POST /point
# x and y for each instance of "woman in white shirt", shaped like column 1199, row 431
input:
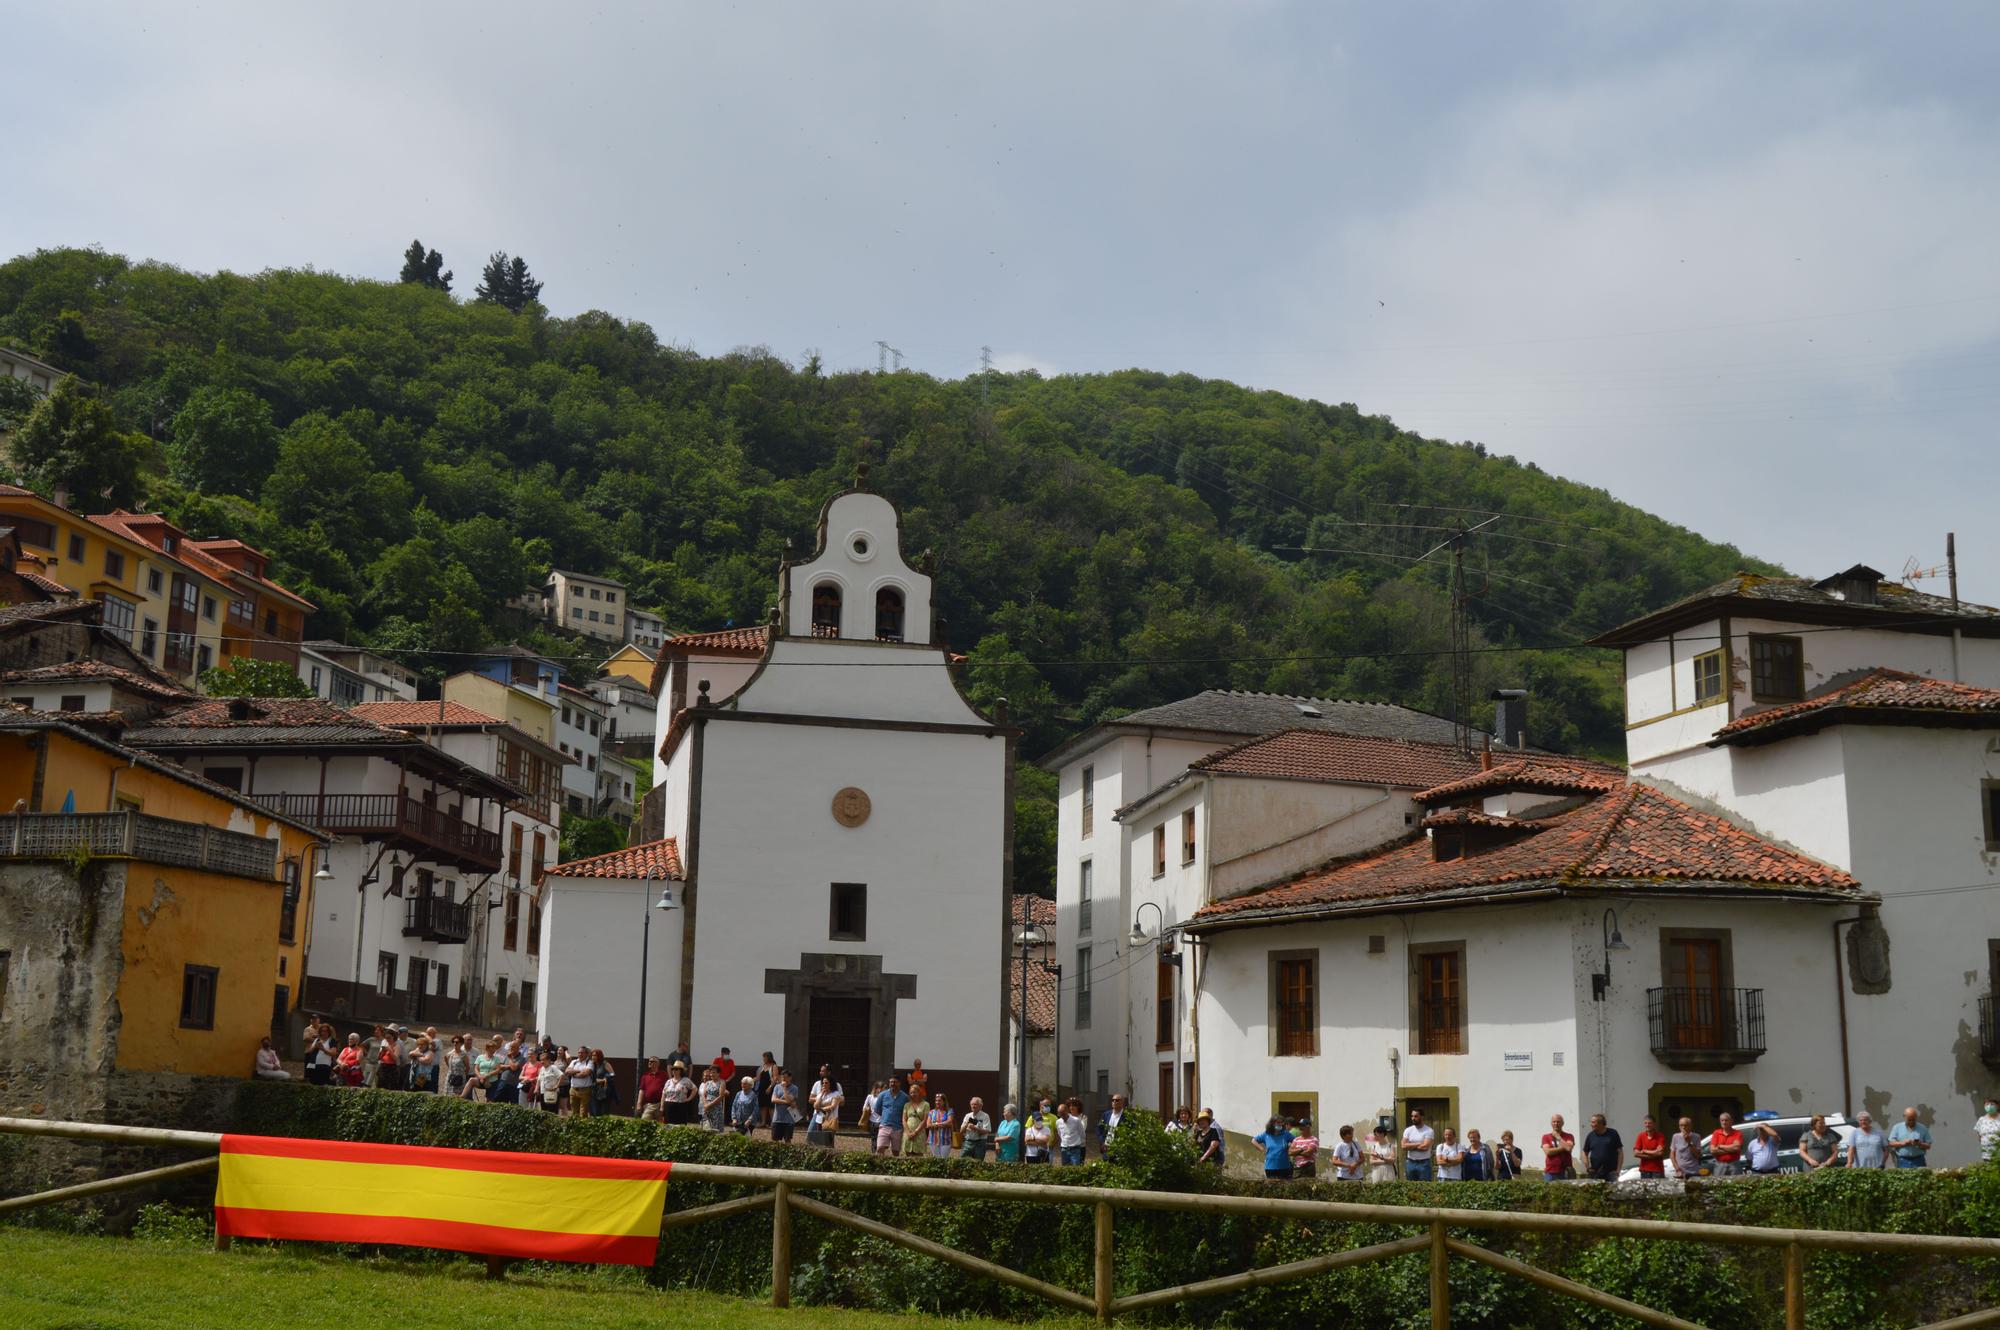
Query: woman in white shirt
column 1035, row 1139
column 677, row 1097
column 1381, row 1156
column 1447, row 1157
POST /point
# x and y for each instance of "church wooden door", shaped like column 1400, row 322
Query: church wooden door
column 837, row 1035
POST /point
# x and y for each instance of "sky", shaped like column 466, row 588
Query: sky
column 1734, row 263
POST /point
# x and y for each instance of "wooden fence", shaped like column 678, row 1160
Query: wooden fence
column 782, row 1192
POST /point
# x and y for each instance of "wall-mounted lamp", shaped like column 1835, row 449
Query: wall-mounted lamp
column 1140, row 937
column 1600, row 983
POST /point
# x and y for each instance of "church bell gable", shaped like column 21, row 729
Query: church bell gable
column 857, row 586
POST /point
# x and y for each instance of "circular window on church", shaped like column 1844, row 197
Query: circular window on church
column 861, row 546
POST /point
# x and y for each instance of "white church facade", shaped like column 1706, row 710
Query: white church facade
column 841, row 820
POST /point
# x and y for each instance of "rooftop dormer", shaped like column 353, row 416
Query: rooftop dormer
column 857, row 585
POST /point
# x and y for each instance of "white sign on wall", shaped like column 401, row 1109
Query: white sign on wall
column 1516, row 1061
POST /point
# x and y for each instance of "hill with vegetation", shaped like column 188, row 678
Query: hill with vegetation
column 412, row 461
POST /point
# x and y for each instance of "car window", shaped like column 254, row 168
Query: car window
column 1789, row 1134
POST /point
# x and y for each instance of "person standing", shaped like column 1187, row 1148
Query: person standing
column 1108, row 1120
column 767, row 1076
column 1650, row 1149
column 1008, row 1138
column 916, row 1116
column 352, row 1062
column 1506, row 1159
column 1208, row 1142
column 652, row 1085
column 548, row 1084
column 1305, row 1151
column 1910, row 1141
column 1603, row 1150
column 320, row 1054
column 1558, row 1151
column 976, row 1130
column 725, row 1070
column 784, row 1107
column 1867, row 1147
column 888, row 1118
column 826, row 1112
column 678, row 1096
column 1818, row 1146
column 1477, row 1165
column 743, row 1109
column 1381, row 1156
column 1035, row 1139
column 871, row 1117
column 1276, row 1142
column 1070, row 1131
column 937, row 1126
column 1725, row 1145
column 582, row 1074
column 1988, row 1128
column 1346, row 1157
column 1182, row 1125
column 458, row 1068
column 1449, row 1157
column 1684, row 1148
column 1418, row 1139
column 919, row 1083
column 1762, row 1147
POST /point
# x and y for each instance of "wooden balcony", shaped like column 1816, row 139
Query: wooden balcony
column 423, row 828
column 133, row 835
column 1706, row 1029
column 436, row 919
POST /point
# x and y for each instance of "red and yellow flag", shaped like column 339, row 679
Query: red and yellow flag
column 539, row 1207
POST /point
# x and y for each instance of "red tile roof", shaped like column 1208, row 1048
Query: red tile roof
column 48, row 584
column 1041, row 994
column 97, row 671
column 655, row 860
column 1041, row 911
column 1323, row 755
column 723, row 641
column 1472, row 817
column 1636, row 838
column 1881, row 695
column 417, row 715
column 1542, row 773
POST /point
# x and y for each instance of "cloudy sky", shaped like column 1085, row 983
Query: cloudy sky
column 1734, row 263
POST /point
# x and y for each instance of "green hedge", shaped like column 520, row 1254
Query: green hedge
column 1723, row 1288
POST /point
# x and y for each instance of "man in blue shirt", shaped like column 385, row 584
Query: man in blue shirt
column 1910, row 1141
column 889, row 1107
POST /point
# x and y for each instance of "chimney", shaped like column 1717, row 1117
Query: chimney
column 1510, row 717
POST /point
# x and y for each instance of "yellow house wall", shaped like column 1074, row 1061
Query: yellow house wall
column 138, row 556
column 175, row 917
column 627, row 661
column 502, row 701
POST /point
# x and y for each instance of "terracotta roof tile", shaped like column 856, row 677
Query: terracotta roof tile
column 1473, row 817
column 656, row 860
column 417, row 715
column 269, row 720
column 97, row 671
column 1638, row 836
column 1041, row 911
column 1880, row 694
column 1041, row 994
column 48, row 584
column 1552, row 775
column 1324, row 755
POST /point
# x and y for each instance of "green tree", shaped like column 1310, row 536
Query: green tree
column 241, row 676
column 17, row 401
column 222, row 441
column 72, row 441
column 422, row 268
column 507, row 283
column 585, row 836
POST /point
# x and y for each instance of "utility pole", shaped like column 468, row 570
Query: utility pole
column 1461, row 646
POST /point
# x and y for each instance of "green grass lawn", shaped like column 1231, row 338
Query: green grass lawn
column 53, row 1281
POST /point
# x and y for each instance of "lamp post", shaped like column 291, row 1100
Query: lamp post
column 665, row 902
column 1025, row 937
column 1600, row 983
column 1055, row 1031
column 1173, row 958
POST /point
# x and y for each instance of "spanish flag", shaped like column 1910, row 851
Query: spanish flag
column 533, row 1206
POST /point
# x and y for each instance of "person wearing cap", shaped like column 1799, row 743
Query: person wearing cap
column 1208, row 1141
column 1304, row 1150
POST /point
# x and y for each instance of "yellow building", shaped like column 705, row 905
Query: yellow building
column 632, row 663
column 522, row 709
column 182, row 604
column 150, row 920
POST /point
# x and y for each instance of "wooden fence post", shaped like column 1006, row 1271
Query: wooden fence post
column 781, row 1245
column 1795, row 1287
column 1102, row 1288
column 1440, row 1286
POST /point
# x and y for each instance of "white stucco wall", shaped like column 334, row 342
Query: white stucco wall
column 1527, row 990
column 1269, row 830
column 860, row 555
column 598, row 934
column 867, row 680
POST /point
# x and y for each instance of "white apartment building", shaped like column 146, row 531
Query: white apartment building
column 593, row 606
column 348, row 675
column 644, row 629
column 581, row 723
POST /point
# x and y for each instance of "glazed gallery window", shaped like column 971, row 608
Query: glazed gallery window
column 1708, row 675
column 1777, row 668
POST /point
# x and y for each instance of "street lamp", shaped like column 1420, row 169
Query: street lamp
column 1025, row 938
column 1140, row 937
column 1171, row 956
column 664, row 903
column 1600, row 983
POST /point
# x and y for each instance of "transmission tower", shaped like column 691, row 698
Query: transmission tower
column 1461, row 646
column 882, row 356
column 985, row 371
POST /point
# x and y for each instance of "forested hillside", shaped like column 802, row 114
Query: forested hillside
column 1104, row 542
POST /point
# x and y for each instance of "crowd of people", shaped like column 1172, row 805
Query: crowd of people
column 904, row 1116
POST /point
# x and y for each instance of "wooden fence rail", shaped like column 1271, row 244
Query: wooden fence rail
column 779, row 1190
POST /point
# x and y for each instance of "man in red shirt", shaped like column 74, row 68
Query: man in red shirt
column 1727, row 1147
column 1650, row 1148
column 725, row 1067
column 1558, row 1147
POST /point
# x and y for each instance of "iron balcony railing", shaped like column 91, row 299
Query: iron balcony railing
column 1989, row 1032
column 1715, row 1027
column 135, row 835
column 393, row 815
column 436, row 919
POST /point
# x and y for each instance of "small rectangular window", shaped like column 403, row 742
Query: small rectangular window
column 1089, row 799
column 154, row 581
column 534, row 929
column 1082, row 993
column 208, row 608
column 203, row 658
column 76, row 549
column 1708, row 672
column 528, row 995
column 595, row 594
column 385, row 972
column 71, row 702
column 512, row 931
column 114, row 564
column 1777, row 668
column 611, row 598
column 500, row 991
column 1294, row 1005
column 1159, row 849
column 444, row 979
column 1084, row 873
column 1989, row 798
column 1440, row 983
column 1164, row 975
column 149, row 638
column 1187, row 836
column 198, row 997
column 848, row 919
column 575, row 613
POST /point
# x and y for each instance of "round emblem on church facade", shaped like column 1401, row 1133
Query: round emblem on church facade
column 851, row 807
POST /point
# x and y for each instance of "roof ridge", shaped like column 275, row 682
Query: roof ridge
column 1602, row 838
